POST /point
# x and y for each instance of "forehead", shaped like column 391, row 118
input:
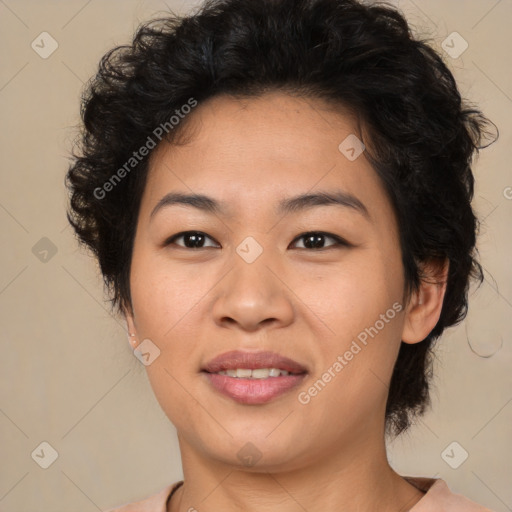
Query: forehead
column 260, row 150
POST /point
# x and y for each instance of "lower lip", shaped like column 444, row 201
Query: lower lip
column 254, row 391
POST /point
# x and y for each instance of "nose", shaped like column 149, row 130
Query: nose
column 252, row 296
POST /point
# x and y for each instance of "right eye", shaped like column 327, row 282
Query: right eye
column 191, row 240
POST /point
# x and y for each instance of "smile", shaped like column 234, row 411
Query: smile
column 253, row 378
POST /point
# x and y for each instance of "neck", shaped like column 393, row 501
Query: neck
column 357, row 477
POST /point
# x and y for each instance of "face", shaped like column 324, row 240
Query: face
column 316, row 282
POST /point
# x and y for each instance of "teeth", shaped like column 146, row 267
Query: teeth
column 259, row 373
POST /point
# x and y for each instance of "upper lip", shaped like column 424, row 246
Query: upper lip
column 252, row 360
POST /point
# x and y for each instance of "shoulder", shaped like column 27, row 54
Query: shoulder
column 439, row 498
column 154, row 503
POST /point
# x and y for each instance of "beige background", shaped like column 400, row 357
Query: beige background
column 68, row 376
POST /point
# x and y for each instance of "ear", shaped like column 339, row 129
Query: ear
column 424, row 306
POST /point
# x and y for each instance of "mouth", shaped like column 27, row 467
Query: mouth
column 253, row 378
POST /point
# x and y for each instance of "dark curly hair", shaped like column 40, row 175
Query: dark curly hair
column 419, row 134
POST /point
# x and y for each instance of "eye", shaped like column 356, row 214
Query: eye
column 314, row 240
column 192, row 239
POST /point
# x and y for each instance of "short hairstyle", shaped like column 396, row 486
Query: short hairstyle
column 419, row 134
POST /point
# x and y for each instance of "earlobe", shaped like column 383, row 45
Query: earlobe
column 425, row 304
column 132, row 331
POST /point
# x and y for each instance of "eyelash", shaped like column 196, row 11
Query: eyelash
column 339, row 241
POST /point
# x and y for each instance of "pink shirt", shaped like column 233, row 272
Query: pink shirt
column 437, row 498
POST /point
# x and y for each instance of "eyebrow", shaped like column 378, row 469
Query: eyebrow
column 285, row 206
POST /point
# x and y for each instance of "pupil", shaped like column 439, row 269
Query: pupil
column 196, row 238
column 317, row 241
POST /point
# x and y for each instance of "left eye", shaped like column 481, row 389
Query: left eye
column 315, row 238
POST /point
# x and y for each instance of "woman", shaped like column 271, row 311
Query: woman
column 278, row 194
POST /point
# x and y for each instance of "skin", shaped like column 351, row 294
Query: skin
column 306, row 304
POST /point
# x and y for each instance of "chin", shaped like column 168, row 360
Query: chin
column 256, row 450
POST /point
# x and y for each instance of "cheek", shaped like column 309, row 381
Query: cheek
column 164, row 295
column 165, row 302
column 361, row 305
column 351, row 297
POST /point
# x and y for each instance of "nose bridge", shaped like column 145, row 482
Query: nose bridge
column 251, row 291
column 250, row 274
